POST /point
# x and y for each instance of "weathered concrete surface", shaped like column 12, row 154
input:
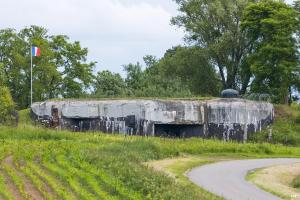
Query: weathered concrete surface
column 221, row 118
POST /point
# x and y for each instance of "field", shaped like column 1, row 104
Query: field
column 39, row 163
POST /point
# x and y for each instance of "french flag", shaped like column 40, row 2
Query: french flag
column 36, row 51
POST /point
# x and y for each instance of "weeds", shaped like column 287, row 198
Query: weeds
column 286, row 129
column 296, row 182
column 98, row 166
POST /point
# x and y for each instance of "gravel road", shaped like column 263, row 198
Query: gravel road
column 227, row 179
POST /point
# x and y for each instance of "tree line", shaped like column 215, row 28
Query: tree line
column 247, row 45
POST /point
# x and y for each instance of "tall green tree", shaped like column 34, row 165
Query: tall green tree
column 2, row 75
column 61, row 71
column 158, row 83
column 191, row 65
column 6, row 104
column 272, row 25
column 152, row 81
column 14, row 64
column 215, row 26
column 71, row 60
column 134, row 76
column 108, row 84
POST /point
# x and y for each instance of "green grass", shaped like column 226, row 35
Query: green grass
column 286, row 129
column 4, row 191
column 99, row 166
column 296, row 182
column 17, row 180
column 178, row 167
column 38, row 183
column 60, row 191
column 24, row 117
column 252, row 175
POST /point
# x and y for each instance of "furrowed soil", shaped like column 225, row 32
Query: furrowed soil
column 38, row 163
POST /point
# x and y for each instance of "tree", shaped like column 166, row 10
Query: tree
column 2, row 75
column 271, row 25
column 76, row 74
column 296, row 5
column 134, row 76
column 215, row 26
column 152, row 81
column 6, row 104
column 61, row 71
column 157, row 83
column 108, row 84
column 191, row 66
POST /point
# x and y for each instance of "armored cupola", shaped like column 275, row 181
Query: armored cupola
column 230, row 93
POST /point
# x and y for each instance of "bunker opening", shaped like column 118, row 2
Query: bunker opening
column 82, row 124
column 178, row 130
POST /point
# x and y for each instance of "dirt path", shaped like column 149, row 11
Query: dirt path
column 278, row 179
column 48, row 189
column 29, row 188
column 11, row 186
column 60, row 183
column 227, row 179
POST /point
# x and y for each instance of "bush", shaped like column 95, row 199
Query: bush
column 297, row 119
column 286, row 129
column 6, row 104
column 296, row 182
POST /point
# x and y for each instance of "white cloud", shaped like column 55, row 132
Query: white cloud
column 289, row 1
column 115, row 31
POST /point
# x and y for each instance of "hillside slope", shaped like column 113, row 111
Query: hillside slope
column 37, row 162
column 286, row 129
column 65, row 165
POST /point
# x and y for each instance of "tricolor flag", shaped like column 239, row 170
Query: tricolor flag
column 36, row 51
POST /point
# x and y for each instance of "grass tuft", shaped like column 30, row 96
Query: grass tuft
column 296, row 182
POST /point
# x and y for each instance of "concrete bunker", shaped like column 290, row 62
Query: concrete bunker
column 227, row 119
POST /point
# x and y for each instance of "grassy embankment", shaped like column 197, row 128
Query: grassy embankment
column 286, row 129
column 277, row 180
column 66, row 165
column 96, row 166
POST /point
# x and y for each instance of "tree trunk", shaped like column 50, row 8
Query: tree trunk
column 245, row 84
column 290, row 96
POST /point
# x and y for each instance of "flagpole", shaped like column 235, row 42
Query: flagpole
column 30, row 75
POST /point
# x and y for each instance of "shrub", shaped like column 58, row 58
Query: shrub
column 286, row 129
column 297, row 119
column 296, row 182
column 6, row 104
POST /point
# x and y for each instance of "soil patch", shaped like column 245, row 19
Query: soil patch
column 29, row 188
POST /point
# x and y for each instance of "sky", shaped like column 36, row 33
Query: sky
column 116, row 32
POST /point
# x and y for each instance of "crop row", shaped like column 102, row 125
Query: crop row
column 61, row 179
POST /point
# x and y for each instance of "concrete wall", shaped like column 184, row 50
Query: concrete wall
column 220, row 118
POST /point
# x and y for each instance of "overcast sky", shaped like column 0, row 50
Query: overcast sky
column 116, row 32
